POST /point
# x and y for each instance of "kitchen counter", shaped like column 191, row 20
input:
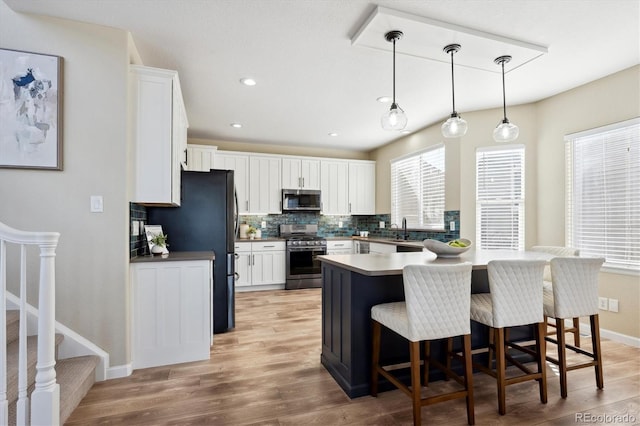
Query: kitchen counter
column 175, row 256
column 391, row 241
column 249, row 240
column 353, row 283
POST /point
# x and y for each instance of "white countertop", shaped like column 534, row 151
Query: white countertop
column 392, row 263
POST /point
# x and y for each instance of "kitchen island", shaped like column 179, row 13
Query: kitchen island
column 352, row 284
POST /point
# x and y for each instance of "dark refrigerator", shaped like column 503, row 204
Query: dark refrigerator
column 206, row 220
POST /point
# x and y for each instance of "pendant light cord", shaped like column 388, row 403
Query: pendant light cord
column 504, row 98
column 394, row 71
column 453, row 90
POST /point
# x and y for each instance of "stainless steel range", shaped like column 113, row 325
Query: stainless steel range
column 303, row 248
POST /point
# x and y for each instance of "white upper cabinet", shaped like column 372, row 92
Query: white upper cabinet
column 362, row 187
column 239, row 163
column 160, row 135
column 300, row 173
column 335, row 188
column 200, row 158
column 264, row 187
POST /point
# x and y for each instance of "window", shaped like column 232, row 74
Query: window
column 603, row 193
column 500, row 197
column 417, row 189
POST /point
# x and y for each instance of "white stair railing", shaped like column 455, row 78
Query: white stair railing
column 45, row 399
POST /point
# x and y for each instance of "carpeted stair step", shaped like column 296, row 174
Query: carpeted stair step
column 12, row 370
column 75, row 376
column 13, row 326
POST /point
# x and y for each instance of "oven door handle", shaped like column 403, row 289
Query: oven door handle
column 313, row 250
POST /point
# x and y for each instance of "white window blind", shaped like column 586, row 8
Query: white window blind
column 417, row 189
column 603, row 193
column 500, row 197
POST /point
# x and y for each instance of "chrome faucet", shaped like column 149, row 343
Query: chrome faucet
column 405, row 234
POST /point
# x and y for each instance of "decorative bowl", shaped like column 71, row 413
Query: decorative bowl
column 444, row 249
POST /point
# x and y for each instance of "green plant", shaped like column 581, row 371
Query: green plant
column 252, row 230
column 160, row 240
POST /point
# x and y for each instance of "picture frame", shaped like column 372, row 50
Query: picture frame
column 30, row 110
column 151, row 231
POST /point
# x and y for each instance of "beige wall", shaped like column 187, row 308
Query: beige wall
column 92, row 257
column 542, row 129
column 281, row 149
column 605, row 101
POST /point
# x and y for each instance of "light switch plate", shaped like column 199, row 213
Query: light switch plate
column 382, row 224
column 613, row 305
column 339, row 224
column 603, row 303
column 97, row 204
column 263, row 224
column 135, row 228
column 452, row 226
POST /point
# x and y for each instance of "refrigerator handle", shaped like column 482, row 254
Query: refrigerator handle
column 236, row 276
column 235, row 213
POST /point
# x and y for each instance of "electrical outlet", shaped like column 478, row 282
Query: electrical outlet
column 382, row 224
column 603, row 303
column 135, row 228
column 340, row 224
column 263, row 224
column 452, row 226
column 613, row 305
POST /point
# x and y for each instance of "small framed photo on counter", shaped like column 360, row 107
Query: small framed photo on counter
column 156, row 239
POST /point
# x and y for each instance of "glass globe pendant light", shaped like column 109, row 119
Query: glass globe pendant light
column 455, row 126
column 395, row 118
column 505, row 131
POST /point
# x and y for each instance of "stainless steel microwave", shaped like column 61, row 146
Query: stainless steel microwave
column 307, row 200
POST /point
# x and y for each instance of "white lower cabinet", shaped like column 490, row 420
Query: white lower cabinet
column 381, row 248
column 260, row 263
column 171, row 311
column 340, row 247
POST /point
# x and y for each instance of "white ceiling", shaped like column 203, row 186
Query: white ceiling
column 312, row 80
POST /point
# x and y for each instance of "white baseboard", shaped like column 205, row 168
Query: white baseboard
column 260, row 288
column 611, row 335
column 119, row 371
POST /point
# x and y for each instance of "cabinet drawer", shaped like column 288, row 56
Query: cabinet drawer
column 339, row 245
column 242, row 247
column 268, row 246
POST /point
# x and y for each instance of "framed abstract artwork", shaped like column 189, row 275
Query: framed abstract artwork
column 30, row 110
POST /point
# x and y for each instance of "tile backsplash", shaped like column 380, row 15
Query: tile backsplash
column 328, row 226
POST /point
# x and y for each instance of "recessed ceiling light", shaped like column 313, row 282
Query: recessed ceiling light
column 248, row 81
column 236, row 125
column 332, row 134
column 384, row 99
column 406, row 131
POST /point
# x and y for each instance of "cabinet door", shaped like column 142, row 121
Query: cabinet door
column 381, row 248
column 291, row 173
column 310, row 174
column 200, row 158
column 171, row 312
column 155, row 162
column 268, row 267
column 243, row 269
column 240, row 165
column 362, row 197
column 264, row 188
column 335, row 195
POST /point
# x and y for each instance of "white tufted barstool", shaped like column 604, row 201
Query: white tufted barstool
column 514, row 298
column 574, row 294
column 436, row 306
column 560, row 252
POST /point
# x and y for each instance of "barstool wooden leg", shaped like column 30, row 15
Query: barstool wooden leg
column 427, row 357
column 594, row 320
column 468, row 377
column 542, row 359
column 375, row 358
column 562, row 356
column 449, row 355
column 576, row 333
column 414, row 351
column 501, row 370
column 491, row 346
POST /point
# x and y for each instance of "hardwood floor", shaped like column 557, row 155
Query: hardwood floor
column 267, row 372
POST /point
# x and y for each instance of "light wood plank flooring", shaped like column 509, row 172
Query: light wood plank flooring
column 267, row 372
